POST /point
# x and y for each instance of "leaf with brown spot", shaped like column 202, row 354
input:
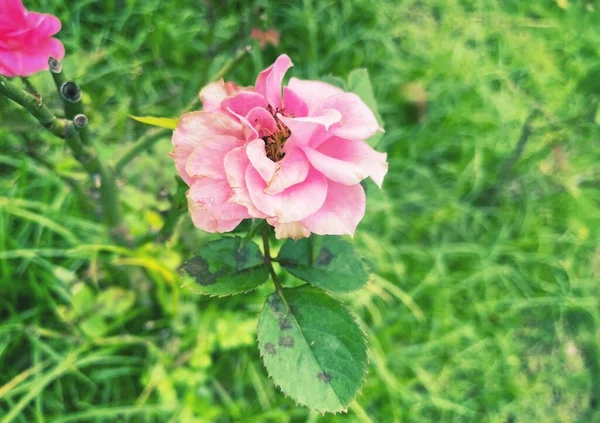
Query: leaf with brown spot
column 335, row 266
column 226, row 267
column 321, row 360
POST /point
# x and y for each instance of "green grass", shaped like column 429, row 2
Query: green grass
column 484, row 304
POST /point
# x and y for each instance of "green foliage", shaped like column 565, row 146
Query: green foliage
column 477, row 311
column 327, row 262
column 226, row 266
column 312, row 348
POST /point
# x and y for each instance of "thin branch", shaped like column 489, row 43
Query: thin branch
column 71, row 95
column 62, row 128
column 177, row 209
column 84, row 154
column 143, row 144
column 489, row 195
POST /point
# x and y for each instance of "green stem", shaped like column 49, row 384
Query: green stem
column 178, row 208
column 84, row 154
column 62, row 128
column 71, row 95
column 142, row 145
column 269, row 262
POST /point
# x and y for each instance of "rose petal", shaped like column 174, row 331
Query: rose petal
column 313, row 93
column 348, row 161
column 213, row 94
column 26, row 62
column 193, row 129
column 358, row 121
column 207, row 158
column 43, row 25
column 294, row 105
column 210, row 201
column 257, row 155
column 294, row 230
column 305, row 129
column 295, row 203
column 269, row 81
column 292, row 169
column 243, row 102
column 262, row 121
column 341, row 213
column 236, row 162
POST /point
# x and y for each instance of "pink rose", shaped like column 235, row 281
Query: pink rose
column 26, row 40
column 295, row 159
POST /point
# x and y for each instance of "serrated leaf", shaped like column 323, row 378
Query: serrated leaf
column 312, row 348
column 331, row 263
column 359, row 83
column 226, row 267
column 167, row 123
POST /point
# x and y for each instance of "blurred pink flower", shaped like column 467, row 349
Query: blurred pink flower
column 26, row 40
column 295, row 159
column 270, row 36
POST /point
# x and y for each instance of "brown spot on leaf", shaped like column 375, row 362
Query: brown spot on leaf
column 325, row 257
column 198, row 269
column 324, row 377
column 270, row 348
column 275, row 304
column 286, row 342
column 284, row 323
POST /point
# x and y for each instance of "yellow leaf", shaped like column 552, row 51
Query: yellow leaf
column 563, row 4
column 167, row 123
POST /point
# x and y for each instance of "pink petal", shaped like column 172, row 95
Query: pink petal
column 193, row 129
column 243, row 102
column 294, row 230
column 269, row 81
column 294, row 105
column 207, row 158
column 348, row 161
column 304, row 129
column 257, row 155
column 262, row 121
column 180, row 156
column 42, row 25
column 207, row 201
column 292, row 169
column 341, row 213
column 249, row 132
column 313, row 93
column 295, row 203
column 214, row 93
column 12, row 14
column 236, row 162
column 27, row 62
column 358, row 121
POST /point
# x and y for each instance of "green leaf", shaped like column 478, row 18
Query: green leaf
column 114, row 302
column 226, row 267
column 312, row 348
column 327, row 262
column 167, row 123
column 359, row 83
column 334, row 80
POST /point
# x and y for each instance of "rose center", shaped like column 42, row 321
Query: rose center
column 274, row 143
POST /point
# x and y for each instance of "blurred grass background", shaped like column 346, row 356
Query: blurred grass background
column 484, row 304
